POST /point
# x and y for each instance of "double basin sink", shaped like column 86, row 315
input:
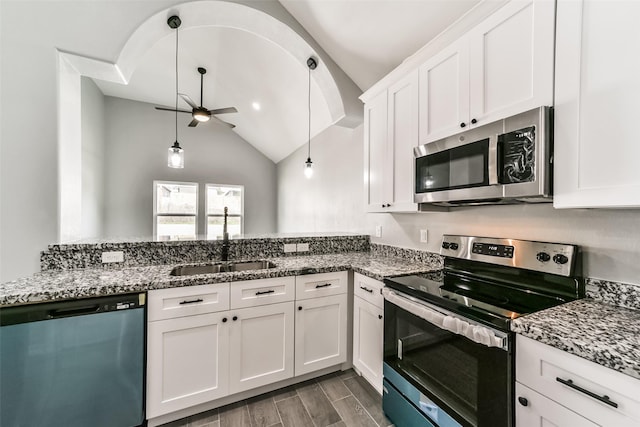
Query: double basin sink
column 190, row 270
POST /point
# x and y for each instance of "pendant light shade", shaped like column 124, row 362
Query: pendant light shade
column 176, row 156
column 308, row 165
column 176, row 153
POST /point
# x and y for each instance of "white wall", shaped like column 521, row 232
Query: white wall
column 137, row 139
column 92, row 159
column 334, row 201
column 30, row 32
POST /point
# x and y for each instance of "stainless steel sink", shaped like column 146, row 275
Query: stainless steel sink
column 190, row 270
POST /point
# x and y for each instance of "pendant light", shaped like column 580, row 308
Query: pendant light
column 176, row 153
column 308, row 165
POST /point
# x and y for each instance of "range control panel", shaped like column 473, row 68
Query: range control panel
column 554, row 258
column 504, row 251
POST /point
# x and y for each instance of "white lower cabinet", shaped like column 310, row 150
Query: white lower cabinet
column 261, row 346
column 367, row 341
column 368, row 328
column 187, row 362
column 535, row 410
column 212, row 341
column 321, row 333
column 562, row 389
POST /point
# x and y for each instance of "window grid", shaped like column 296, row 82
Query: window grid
column 218, row 196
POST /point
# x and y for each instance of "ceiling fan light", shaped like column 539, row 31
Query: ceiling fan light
column 176, row 156
column 201, row 115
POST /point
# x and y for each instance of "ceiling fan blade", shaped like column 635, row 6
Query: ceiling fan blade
column 224, row 110
column 173, row 110
column 193, row 123
column 217, row 120
column 188, row 100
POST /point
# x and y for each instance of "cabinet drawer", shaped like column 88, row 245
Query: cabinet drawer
column 187, row 301
column 321, row 285
column 535, row 410
column 368, row 289
column 252, row 293
column 544, row 369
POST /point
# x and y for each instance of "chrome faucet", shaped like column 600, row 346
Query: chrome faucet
column 224, row 255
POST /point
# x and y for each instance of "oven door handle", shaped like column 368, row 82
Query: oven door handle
column 447, row 321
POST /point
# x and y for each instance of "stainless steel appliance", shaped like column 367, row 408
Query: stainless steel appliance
column 448, row 349
column 508, row 161
column 73, row 363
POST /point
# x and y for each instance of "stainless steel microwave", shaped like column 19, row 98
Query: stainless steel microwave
column 503, row 162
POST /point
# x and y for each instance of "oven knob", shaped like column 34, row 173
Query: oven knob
column 543, row 256
column 560, row 259
column 453, row 246
column 445, row 245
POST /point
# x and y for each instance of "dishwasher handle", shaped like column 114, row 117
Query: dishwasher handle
column 75, row 311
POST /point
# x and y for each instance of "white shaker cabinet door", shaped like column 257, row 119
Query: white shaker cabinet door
column 187, row 360
column 368, row 327
column 321, row 333
column 260, row 345
column 535, row 410
column 597, row 100
column 444, row 93
column 377, row 154
column 403, row 137
column 511, row 61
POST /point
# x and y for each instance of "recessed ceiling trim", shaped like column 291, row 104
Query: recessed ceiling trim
column 210, row 13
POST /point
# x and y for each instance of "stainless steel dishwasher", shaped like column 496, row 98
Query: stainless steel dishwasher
column 73, row 363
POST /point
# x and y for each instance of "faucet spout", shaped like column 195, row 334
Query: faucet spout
column 224, row 255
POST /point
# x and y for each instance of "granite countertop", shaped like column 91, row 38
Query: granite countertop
column 69, row 284
column 594, row 330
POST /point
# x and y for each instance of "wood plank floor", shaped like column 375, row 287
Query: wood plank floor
column 342, row 399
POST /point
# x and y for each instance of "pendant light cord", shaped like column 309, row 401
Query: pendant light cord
column 309, row 104
column 176, row 84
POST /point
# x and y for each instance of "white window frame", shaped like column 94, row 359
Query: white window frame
column 206, row 206
column 155, row 204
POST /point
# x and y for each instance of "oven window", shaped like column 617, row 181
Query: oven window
column 459, row 167
column 471, row 382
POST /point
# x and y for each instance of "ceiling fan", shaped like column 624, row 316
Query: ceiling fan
column 199, row 113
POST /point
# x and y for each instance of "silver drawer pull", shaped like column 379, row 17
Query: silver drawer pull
column 270, row 291
column 364, row 288
column 603, row 399
column 193, row 301
column 323, row 286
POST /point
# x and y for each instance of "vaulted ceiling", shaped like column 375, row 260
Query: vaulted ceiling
column 366, row 38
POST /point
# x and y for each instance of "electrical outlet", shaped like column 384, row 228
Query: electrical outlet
column 424, row 236
column 378, row 231
column 115, row 256
column 303, row 247
column 289, row 247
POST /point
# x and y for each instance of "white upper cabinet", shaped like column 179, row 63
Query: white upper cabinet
column 502, row 67
column 596, row 105
column 376, row 154
column 403, row 136
column 444, row 92
column 391, row 132
column 511, row 61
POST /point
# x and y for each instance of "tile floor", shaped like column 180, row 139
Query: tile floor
column 342, row 399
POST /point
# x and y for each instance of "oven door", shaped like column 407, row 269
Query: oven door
column 471, row 381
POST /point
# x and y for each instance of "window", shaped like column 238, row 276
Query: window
column 175, row 210
column 219, row 196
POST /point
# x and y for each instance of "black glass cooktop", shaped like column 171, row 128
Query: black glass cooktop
column 486, row 293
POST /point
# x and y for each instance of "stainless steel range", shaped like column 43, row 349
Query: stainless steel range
column 448, row 349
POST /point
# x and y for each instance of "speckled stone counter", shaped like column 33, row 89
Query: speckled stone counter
column 90, row 282
column 594, row 330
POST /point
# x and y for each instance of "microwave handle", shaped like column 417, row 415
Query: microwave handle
column 494, row 160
